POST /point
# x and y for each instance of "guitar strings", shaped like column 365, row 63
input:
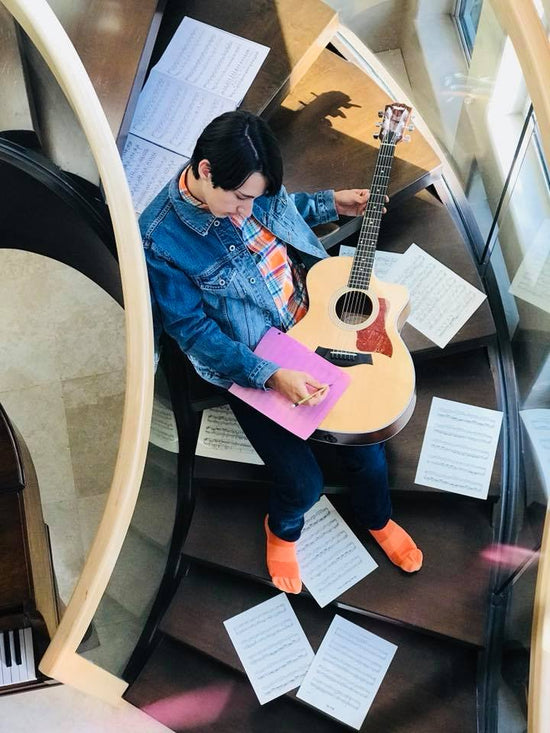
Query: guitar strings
column 354, row 302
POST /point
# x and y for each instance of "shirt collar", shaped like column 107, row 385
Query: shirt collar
column 189, row 209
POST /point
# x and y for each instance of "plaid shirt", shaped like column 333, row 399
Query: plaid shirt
column 285, row 279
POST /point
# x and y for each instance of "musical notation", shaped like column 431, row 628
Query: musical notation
column 441, row 301
column 203, row 72
column 221, row 437
column 459, row 448
column 272, row 647
column 331, row 557
column 347, row 671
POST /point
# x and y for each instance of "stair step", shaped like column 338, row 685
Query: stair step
column 427, row 222
column 296, row 33
column 186, row 691
column 424, row 701
column 326, row 126
column 461, row 377
column 448, row 596
column 464, row 377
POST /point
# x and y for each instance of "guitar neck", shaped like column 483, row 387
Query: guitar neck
column 363, row 260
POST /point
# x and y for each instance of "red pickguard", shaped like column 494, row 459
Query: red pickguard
column 374, row 337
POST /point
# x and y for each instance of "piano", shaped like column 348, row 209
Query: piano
column 28, row 604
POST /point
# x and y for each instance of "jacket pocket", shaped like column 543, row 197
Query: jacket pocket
column 220, row 279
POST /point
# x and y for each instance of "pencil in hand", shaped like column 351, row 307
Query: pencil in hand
column 309, row 396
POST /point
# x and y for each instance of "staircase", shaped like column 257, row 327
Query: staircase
column 439, row 617
column 323, row 109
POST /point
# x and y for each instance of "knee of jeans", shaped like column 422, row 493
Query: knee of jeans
column 357, row 458
column 302, row 487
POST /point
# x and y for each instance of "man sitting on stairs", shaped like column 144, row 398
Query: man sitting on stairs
column 227, row 249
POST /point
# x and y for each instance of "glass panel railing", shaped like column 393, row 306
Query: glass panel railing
column 125, row 606
column 474, row 81
column 522, row 251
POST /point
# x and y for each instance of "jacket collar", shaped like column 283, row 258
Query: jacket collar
column 200, row 220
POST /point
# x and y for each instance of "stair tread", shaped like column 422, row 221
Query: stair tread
column 206, row 598
column 439, row 696
column 464, row 377
column 448, row 596
column 294, row 32
column 426, row 221
column 461, row 377
column 185, row 691
column 326, row 126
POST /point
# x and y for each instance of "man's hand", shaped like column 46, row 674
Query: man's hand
column 297, row 385
column 352, row 202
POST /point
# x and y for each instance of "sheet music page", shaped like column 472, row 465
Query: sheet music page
column 272, row 647
column 164, row 433
column 383, row 261
column 148, row 168
column 532, row 279
column 212, row 59
column 537, row 425
column 347, row 672
column 172, row 113
column 441, row 301
column 221, row 436
column 459, row 448
column 331, row 557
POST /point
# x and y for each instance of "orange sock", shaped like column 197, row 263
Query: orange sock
column 398, row 546
column 281, row 563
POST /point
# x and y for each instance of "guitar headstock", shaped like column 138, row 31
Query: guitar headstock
column 396, row 118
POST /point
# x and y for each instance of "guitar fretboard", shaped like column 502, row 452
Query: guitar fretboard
column 363, row 260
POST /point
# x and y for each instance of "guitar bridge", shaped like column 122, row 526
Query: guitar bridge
column 343, row 358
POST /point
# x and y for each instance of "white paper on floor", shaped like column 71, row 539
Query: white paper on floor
column 459, row 447
column 347, row 671
column 272, row 647
column 331, row 557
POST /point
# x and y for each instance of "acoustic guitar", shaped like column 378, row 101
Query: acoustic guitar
column 354, row 320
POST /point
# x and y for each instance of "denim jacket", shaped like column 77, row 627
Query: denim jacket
column 206, row 290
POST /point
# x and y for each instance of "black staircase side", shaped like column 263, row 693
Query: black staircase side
column 52, row 213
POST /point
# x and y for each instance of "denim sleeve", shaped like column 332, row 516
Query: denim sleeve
column 315, row 208
column 179, row 304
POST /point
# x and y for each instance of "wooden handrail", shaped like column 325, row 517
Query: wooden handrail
column 61, row 660
column 523, row 26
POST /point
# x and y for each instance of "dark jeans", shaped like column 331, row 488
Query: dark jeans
column 298, row 479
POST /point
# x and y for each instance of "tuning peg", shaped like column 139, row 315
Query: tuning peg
column 410, row 128
column 378, row 124
column 406, row 138
column 380, row 113
column 376, row 137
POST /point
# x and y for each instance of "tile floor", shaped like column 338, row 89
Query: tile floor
column 62, row 383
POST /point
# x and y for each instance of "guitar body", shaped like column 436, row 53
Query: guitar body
column 359, row 330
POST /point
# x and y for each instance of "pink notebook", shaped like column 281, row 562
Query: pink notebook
column 290, row 354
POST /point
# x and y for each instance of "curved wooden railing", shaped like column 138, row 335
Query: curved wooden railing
column 61, row 660
column 521, row 23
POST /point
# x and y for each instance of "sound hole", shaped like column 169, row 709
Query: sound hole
column 353, row 307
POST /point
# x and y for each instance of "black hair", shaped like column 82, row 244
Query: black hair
column 237, row 144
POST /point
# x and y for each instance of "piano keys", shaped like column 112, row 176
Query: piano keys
column 28, row 604
column 16, row 657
